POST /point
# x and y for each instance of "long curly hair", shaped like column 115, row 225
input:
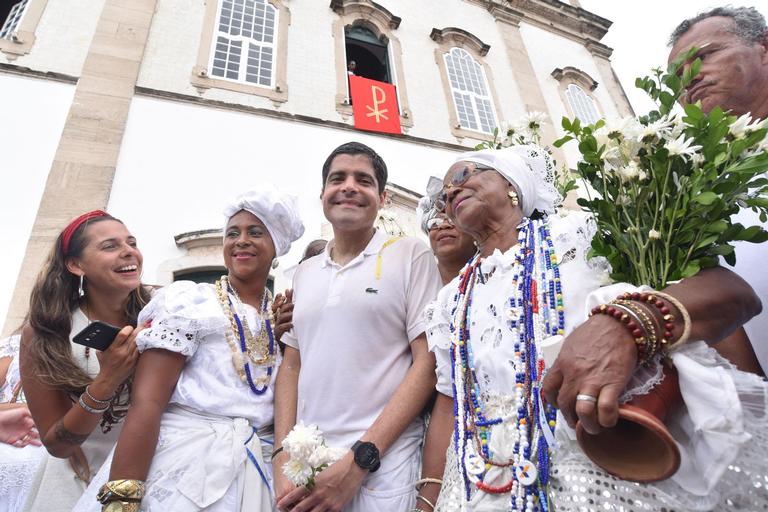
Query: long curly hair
column 53, row 300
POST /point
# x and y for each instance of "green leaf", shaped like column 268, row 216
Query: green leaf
column 705, row 198
column 691, row 269
column 559, row 142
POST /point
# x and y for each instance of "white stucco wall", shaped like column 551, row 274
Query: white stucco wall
column 32, row 115
column 63, row 37
column 174, row 42
column 540, row 44
column 180, row 163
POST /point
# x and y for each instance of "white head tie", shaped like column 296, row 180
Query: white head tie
column 425, row 210
column 529, row 168
column 278, row 211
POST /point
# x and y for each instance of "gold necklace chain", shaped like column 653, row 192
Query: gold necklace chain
column 257, row 349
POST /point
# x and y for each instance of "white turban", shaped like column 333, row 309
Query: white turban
column 278, row 211
column 529, row 168
column 425, row 210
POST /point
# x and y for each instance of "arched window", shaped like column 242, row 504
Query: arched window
column 582, row 104
column 245, row 42
column 471, row 95
column 18, row 22
column 11, row 14
column 370, row 54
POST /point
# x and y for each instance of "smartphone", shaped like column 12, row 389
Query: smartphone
column 98, row 335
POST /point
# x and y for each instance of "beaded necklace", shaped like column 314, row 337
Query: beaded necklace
column 535, row 312
column 248, row 351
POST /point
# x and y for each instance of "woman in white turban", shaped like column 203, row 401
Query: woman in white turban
column 200, row 437
column 493, row 330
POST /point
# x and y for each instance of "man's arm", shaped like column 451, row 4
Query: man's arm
column 339, row 483
column 286, row 397
column 599, row 357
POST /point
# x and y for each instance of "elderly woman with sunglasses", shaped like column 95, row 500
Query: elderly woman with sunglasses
column 495, row 330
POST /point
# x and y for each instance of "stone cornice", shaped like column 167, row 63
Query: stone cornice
column 576, row 75
column 568, row 20
column 366, row 8
column 599, row 49
column 461, row 36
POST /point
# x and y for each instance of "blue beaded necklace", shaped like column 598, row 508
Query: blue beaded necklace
column 536, row 312
column 244, row 350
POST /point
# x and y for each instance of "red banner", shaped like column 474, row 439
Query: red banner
column 374, row 105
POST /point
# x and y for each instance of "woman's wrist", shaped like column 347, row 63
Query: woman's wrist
column 102, row 388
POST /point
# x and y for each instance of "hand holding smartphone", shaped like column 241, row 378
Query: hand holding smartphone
column 97, row 335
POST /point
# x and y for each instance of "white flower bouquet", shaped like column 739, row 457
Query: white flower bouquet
column 309, row 454
column 664, row 187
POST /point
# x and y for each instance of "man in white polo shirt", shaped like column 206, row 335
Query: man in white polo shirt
column 356, row 363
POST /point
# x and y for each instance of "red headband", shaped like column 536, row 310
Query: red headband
column 66, row 235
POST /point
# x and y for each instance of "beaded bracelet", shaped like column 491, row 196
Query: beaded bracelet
column 652, row 345
column 683, row 313
column 667, row 319
column 88, row 408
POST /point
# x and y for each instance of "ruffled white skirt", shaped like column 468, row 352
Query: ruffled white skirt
column 202, row 462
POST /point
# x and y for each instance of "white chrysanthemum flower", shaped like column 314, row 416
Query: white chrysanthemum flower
column 297, row 471
column 325, row 456
column 656, row 130
column 623, row 200
column 682, row 147
column 302, row 440
column 654, row 235
column 534, row 120
column 697, row 159
column 741, row 126
column 629, row 172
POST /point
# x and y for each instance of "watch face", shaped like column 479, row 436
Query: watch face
column 366, row 455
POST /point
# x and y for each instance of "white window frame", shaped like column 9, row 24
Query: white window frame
column 472, row 94
column 17, row 13
column 245, row 47
column 582, row 103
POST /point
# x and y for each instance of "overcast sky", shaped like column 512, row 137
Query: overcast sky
column 640, row 32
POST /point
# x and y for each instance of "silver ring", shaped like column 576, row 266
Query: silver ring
column 586, row 398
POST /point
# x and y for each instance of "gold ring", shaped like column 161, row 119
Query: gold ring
column 586, row 398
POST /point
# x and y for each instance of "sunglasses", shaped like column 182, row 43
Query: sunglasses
column 458, row 179
column 437, row 222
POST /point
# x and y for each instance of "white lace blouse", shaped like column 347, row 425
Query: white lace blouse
column 187, row 318
column 492, row 341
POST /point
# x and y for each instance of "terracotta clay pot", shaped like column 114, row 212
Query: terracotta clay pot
column 639, row 448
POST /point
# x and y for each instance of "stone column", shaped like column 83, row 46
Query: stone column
column 84, row 165
column 601, row 54
column 508, row 21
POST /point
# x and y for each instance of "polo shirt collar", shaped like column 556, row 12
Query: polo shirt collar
column 378, row 239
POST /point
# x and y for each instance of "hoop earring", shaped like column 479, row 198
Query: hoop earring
column 513, row 196
column 275, row 263
column 80, row 289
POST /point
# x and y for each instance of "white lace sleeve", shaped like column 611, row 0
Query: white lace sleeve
column 181, row 315
column 437, row 317
column 9, row 346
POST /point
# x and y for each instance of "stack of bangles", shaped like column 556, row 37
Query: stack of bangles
column 420, row 484
column 101, row 405
column 649, row 319
column 121, row 495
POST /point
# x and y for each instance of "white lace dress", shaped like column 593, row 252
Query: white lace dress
column 721, row 431
column 56, row 485
column 17, row 465
column 215, row 438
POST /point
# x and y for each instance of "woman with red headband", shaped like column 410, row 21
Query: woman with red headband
column 77, row 395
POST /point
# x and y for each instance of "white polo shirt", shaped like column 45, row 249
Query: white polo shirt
column 750, row 259
column 353, row 330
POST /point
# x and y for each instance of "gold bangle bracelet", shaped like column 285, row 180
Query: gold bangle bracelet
column 425, row 500
column 683, row 313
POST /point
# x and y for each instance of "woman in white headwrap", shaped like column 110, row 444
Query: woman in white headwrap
column 200, row 436
column 530, row 284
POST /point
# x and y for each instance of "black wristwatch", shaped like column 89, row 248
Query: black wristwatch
column 366, row 455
